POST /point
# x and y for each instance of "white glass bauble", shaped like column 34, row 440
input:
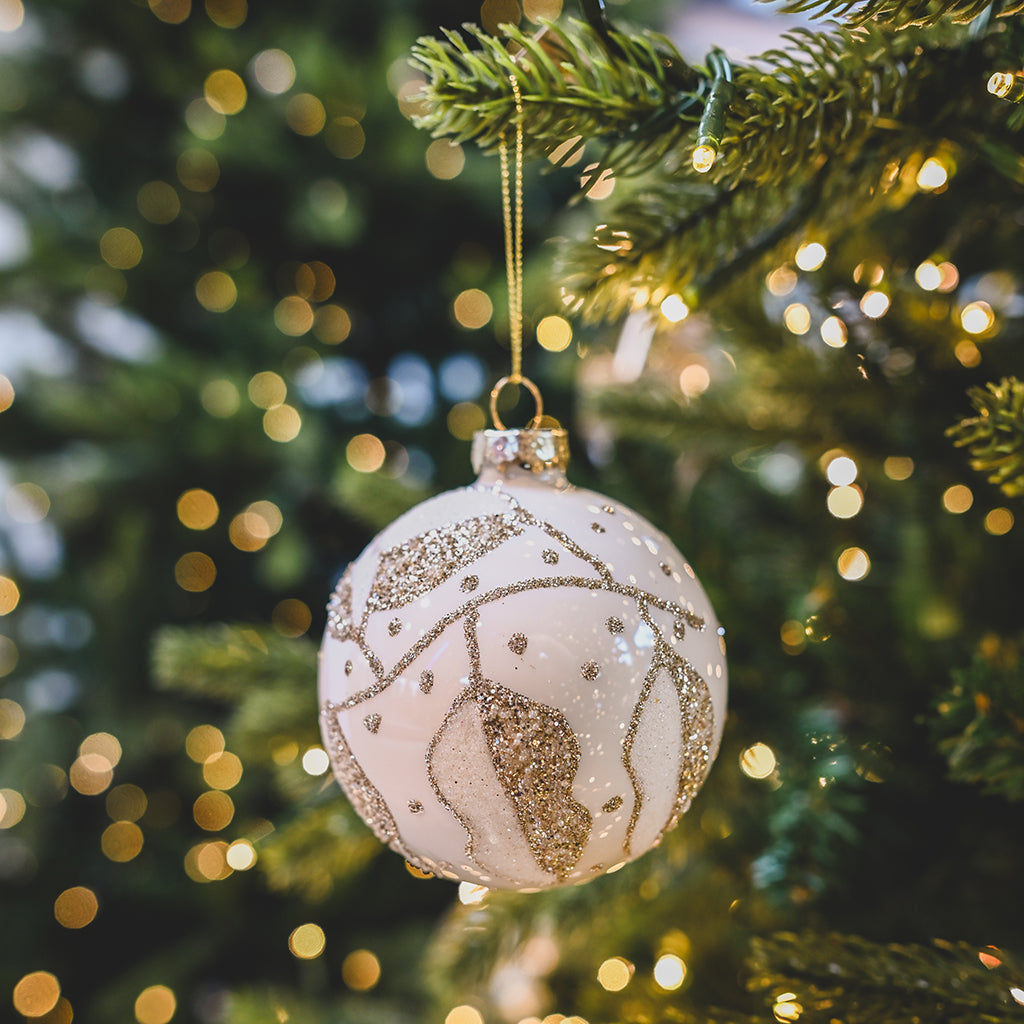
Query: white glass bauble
column 522, row 683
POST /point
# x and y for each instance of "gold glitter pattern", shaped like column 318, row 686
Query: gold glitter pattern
column 470, row 583
column 348, row 667
column 534, row 751
column 407, row 571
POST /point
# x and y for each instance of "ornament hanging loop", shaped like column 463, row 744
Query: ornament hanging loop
column 530, row 386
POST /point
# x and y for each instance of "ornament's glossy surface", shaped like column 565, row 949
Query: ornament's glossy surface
column 522, row 683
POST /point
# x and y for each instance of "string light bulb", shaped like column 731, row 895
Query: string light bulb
column 1007, row 86
column 712, row 122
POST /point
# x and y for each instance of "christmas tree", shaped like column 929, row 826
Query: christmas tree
column 251, row 313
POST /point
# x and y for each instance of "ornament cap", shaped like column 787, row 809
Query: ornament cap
column 540, row 454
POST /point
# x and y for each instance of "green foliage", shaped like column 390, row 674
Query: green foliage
column 978, row 724
column 899, row 13
column 995, row 437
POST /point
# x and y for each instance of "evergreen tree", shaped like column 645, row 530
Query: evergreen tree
column 246, row 322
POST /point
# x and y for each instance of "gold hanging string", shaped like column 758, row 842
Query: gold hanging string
column 512, row 212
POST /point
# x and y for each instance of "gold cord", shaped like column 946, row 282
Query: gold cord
column 514, row 237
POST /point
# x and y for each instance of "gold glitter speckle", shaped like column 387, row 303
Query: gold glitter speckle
column 348, row 667
column 517, row 643
column 609, row 509
column 613, row 805
column 665, row 568
column 597, row 527
column 372, row 723
column 426, row 681
column 590, row 671
column 415, row 806
column 395, row 627
column 615, row 625
column 550, row 556
column 469, row 584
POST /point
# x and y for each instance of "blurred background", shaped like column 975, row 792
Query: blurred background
column 248, row 315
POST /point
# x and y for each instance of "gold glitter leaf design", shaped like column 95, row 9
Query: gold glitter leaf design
column 422, row 563
column 536, row 755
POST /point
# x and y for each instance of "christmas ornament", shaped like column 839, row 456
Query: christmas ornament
column 522, row 684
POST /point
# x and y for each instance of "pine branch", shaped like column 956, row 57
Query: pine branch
column 859, row 981
column 979, row 723
column 643, row 100
column 995, row 437
column 897, row 13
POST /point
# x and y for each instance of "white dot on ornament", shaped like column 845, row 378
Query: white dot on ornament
column 1018, row 995
column 471, row 893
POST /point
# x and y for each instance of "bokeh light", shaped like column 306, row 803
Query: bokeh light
column 977, row 318
column 365, row 453
column 853, row 564
column 898, row 467
column 554, row 333
column 845, row 502
column 332, row 324
column 6, row 393
column 274, row 71
column 307, row 941
column 781, row 281
column 957, row 499
column 76, row 907
column 241, row 855
column 472, row 308
column 933, row 175
column 198, row 170
column 195, row 572
column 213, row 810
column 171, row 12
column 158, row 202
column 126, row 802
column 999, row 522
column 197, row 509
column 202, row 742
column 345, row 137
column 810, row 256
column 875, row 304
column 694, row 380
column 225, row 91
column 27, row 503
column 291, row 617
column 758, row 760
column 293, row 316
column 464, row 1014
column 155, row 1005
column 614, row 974
column 216, row 291
column 841, row 470
column 9, row 595
column 227, row 13
column 465, row 419
column 305, row 114
column 120, row 248
column 36, row 994
column 445, row 159
column 674, row 309
column 220, row 398
column 282, row 423
column 121, row 841
column 360, row 970
column 928, row 276
column 833, row 332
column 222, row 770
column 797, row 318
column 315, row 761
column 12, row 718
column 669, row 972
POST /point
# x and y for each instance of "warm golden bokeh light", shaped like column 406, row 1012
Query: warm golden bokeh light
column 213, row 810
column 472, row 308
column 928, row 276
column 9, row 595
column 241, row 855
column 967, row 353
column 216, row 291
column 197, row 509
column 36, row 994
column 792, row 636
column 90, row 774
column 758, row 761
column 198, row 170
column 874, row 304
column 195, row 572
column 786, row 1009
column 445, row 159
column 222, row 771
column 999, row 522
column 345, row 137
column 225, row 91
column 845, row 502
column 535, row 10
column 307, row 941
column 694, row 380
column 282, row 423
column 305, row 114
column 12, row 718
column 614, row 974
column 810, row 256
column 898, row 467
column 8, row 656
column 360, row 970
column 781, row 281
column 977, row 318
column 220, row 398
column 227, row 13
column 12, row 808
column 158, row 202
column 932, row 175
column 332, row 324
column 365, row 453
column 853, row 564
column 171, row 12
column 122, row 841
column 293, row 316
column 6, row 393
column 12, row 15
column 27, row 503
column 76, row 907
column 120, row 248
column 554, row 333
column 464, row 1014
column 833, row 332
column 674, row 309
column 203, row 741
column 267, row 389
column 291, row 617
column 126, row 802
column 155, row 1005
column 957, row 499
column 465, row 419
column 797, row 318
